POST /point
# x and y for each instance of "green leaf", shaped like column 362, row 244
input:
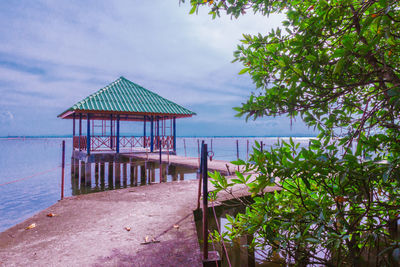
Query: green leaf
column 335, row 69
column 306, row 182
column 338, row 53
column 311, row 57
column 241, row 177
column 236, row 181
column 347, row 42
column 339, row 66
column 243, row 71
column 193, row 9
column 238, row 162
column 313, row 240
column 281, row 63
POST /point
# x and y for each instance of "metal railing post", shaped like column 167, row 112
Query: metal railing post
column 88, row 133
column 237, row 152
column 117, row 140
column 80, row 131
column 205, row 199
column 151, row 134
column 198, row 150
column 62, row 169
column 111, row 132
column 200, row 177
column 144, row 131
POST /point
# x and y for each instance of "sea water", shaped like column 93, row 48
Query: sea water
column 30, row 169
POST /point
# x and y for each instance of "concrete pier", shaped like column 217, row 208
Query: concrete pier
column 225, row 167
column 92, row 230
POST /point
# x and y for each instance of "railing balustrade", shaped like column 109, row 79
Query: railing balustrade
column 103, row 143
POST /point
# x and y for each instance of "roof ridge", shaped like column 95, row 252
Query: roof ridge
column 99, row 91
column 123, row 95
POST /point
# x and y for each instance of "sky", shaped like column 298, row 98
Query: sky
column 55, row 53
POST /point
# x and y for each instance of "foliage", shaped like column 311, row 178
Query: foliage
column 336, row 65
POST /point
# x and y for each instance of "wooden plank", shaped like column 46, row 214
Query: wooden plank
column 193, row 163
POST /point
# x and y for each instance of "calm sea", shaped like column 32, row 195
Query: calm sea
column 30, row 173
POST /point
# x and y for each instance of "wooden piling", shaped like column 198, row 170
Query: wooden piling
column 72, row 167
column 175, row 176
column 111, row 175
column 153, row 173
column 76, row 171
column 237, row 149
column 62, row 168
column 200, row 180
column 75, row 184
column 148, row 169
column 124, row 174
column 132, row 172
column 102, row 175
column 96, row 173
column 142, row 174
column 173, row 171
column 75, row 177
column 204, row 174
column 250, row 252
column 165, row 173
column 88, row 174
column 82, row 174
column 161, row 173
column 117, row 175
column 102, row 170
column 136, row 174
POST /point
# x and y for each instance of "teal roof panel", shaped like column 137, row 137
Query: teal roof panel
column 124, row 96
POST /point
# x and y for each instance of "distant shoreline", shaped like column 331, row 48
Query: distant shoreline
column 211, row 136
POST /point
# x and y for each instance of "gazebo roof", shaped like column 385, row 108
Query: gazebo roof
column 126, row 98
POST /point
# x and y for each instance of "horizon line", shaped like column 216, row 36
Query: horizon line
column 181, row 136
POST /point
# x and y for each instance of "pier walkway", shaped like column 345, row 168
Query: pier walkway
column 225, row 167
column 92, row 230
column 147, row 225
column 222, row 166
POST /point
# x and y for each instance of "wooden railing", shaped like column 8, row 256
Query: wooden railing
column 167, row 142
column 83, row 142
column 103, row 143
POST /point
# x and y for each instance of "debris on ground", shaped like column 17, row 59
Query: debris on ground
column 33, row 225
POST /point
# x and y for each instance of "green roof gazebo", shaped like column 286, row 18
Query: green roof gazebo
column 123, row 100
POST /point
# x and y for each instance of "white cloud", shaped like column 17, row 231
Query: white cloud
column 6, row 117
column 54, row 53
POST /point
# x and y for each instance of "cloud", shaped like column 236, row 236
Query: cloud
column 55, row 53
column 6, row 117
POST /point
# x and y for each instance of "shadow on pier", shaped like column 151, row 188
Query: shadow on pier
column 89, row 177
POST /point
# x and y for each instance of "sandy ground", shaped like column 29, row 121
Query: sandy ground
column 89, row 230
